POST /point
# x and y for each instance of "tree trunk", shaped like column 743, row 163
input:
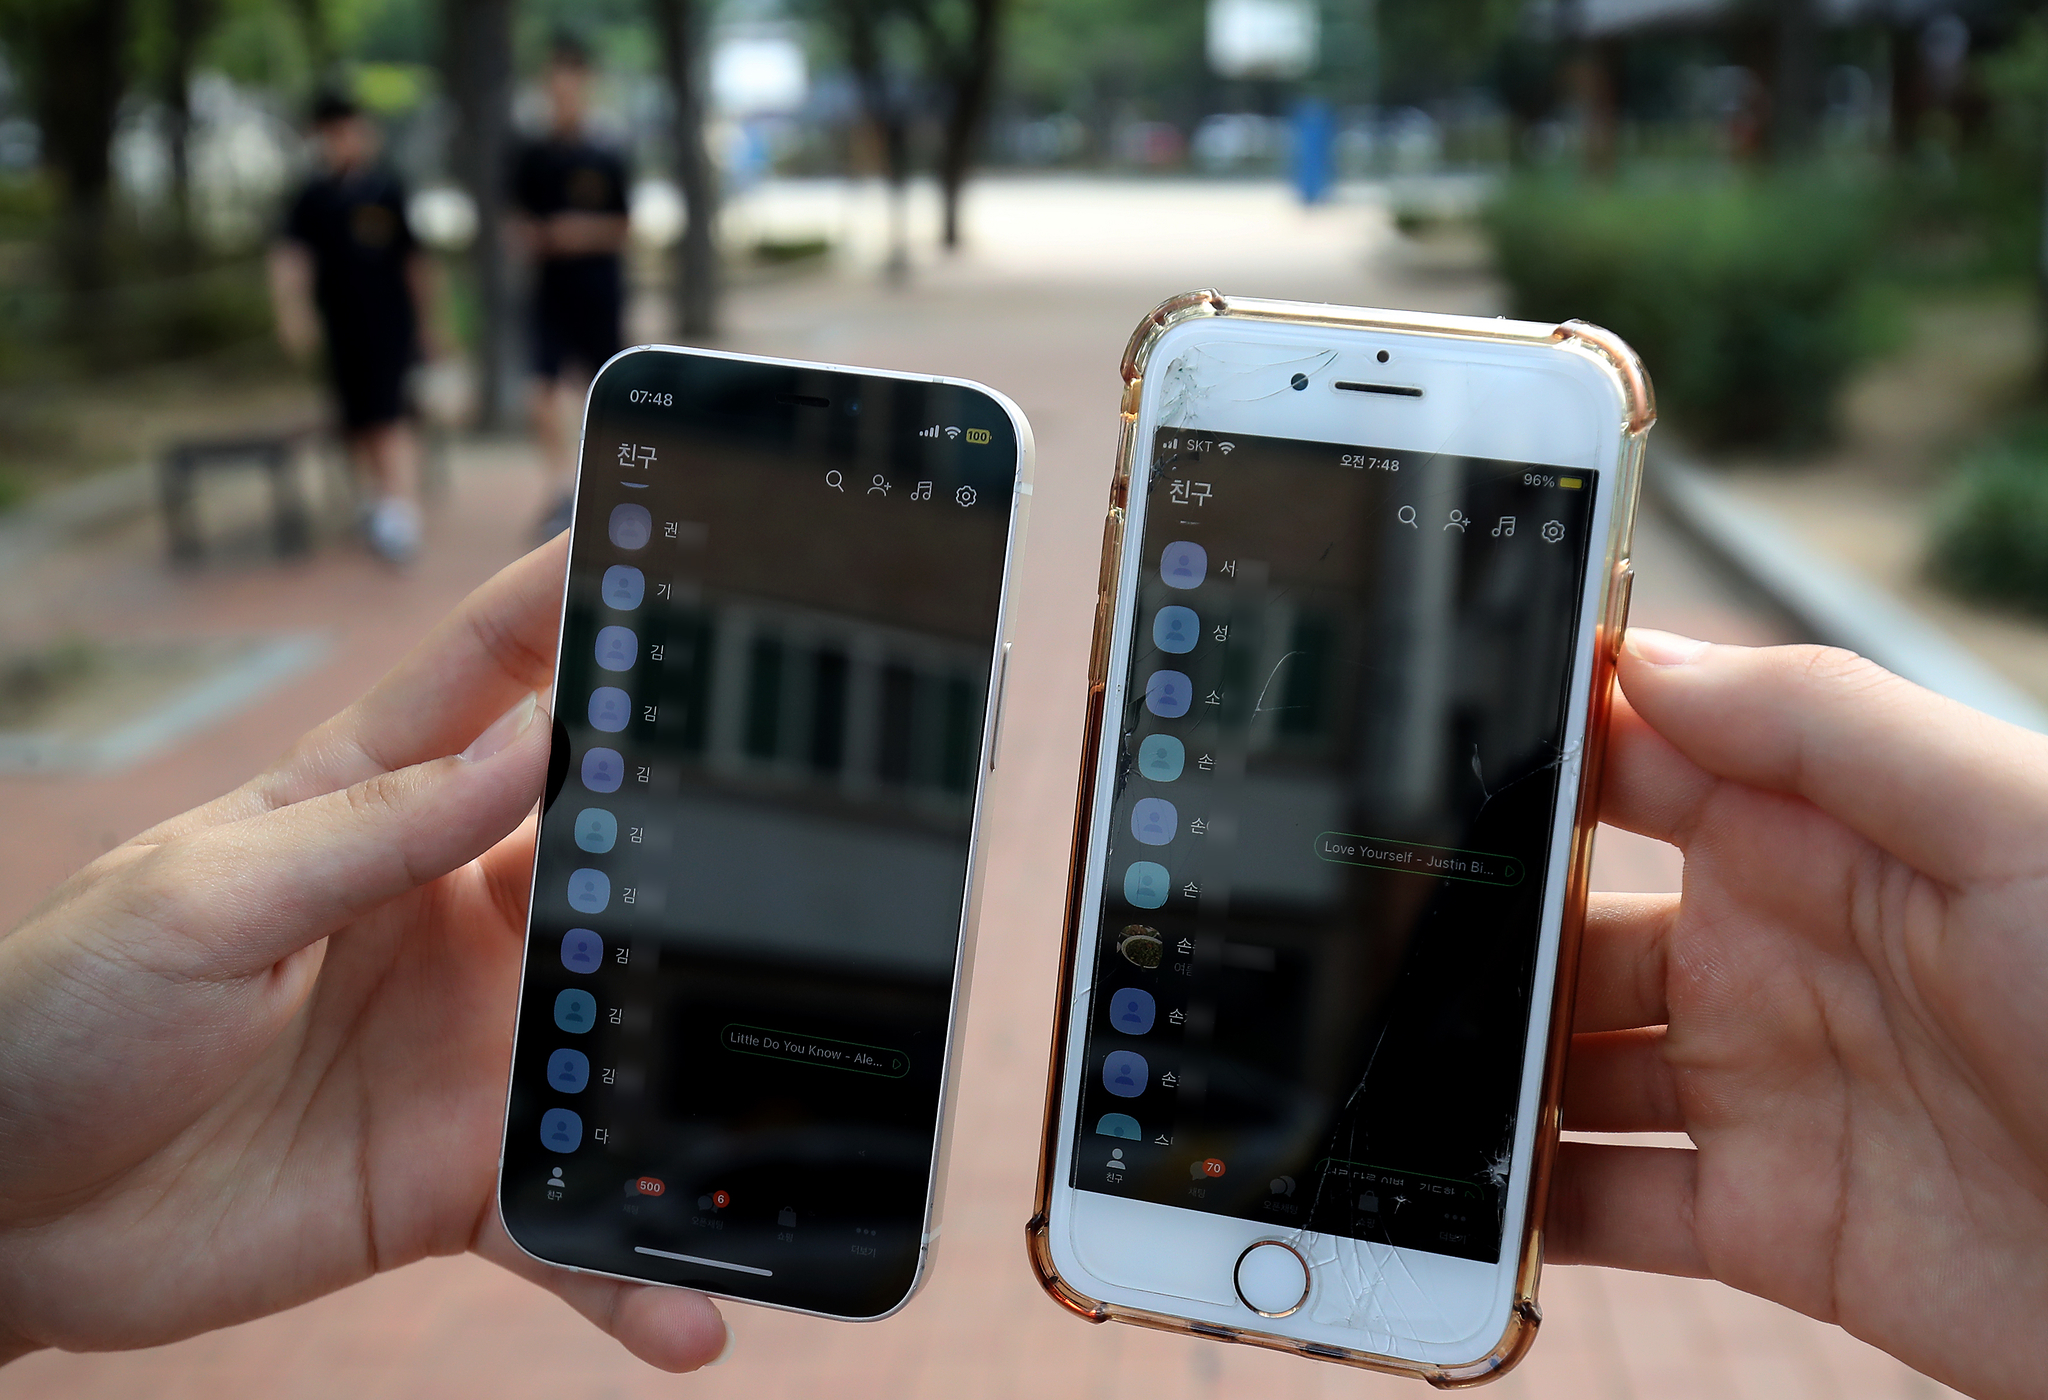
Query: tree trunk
column 2041, row 280
column 1796, row 80
column 188, row 22
column 76, row 66
column 681, row 26
column 312, row 18
column 973, row 85
column 861, row 21
column 479, row 70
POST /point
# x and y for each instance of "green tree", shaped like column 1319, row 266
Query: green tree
column 73, row 57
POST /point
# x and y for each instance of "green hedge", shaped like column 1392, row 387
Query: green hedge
column 1991, row 532
column 1748, row 299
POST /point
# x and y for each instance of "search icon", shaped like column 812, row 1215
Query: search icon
column 1406, row 515
column 836, row 482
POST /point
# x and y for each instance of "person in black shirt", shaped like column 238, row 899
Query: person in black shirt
column 345, row 270
column 571, row 196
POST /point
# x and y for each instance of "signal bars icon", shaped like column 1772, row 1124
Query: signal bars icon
column 934, row 430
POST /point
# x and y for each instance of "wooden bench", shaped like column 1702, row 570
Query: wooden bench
column 276, row 452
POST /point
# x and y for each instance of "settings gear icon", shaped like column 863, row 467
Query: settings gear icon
column 965, row 495
column 1553, row 530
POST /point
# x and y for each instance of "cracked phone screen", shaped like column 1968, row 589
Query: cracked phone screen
column 1336, row 789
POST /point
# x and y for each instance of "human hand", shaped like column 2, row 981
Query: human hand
column 298, row 336
column 1844, row 1009
column 289, row 269
column 259, row 1053
column 574, row 233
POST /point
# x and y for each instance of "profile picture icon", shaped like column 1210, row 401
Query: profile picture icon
column 610, row 709
column 1169, row 693
column 617, row 648
column 1153, row 820
column 589, row 891
column 1146, row 884
column 568, row 1071
column 575, row 1011
column 1182, row 564
column 597, row 830
column 561, row 1130
column 1124, row 1073
column 1161, row 758
column 623, row 587
column 1132, row 1010
column 630, row 527
column 582, row 950
column 1118, row 1125
column 1176, row 629
column 603, row 770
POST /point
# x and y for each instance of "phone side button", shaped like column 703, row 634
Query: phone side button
column 1617, row 614
column 1271, row 1279
column 995, row 728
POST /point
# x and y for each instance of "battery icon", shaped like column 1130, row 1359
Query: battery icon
column 1571, row 483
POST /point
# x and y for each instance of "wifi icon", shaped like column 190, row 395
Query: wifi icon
column 1226, row 448
column 952, row 432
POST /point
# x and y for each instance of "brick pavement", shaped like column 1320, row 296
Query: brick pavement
column 459, row 1327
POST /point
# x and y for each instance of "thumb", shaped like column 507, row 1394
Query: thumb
column 1938, row 784
column 259, row 889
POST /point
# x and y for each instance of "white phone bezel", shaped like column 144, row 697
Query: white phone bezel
column 970, row 907
column 1492, row 399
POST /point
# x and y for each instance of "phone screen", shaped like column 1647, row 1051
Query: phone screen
column 1335, row 794
column 781, row 619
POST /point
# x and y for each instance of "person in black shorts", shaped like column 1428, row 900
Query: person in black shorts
column 571, row 196
column 345, row 270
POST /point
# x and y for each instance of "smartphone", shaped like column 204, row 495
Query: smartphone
column 776, row 700
column 1363, row 580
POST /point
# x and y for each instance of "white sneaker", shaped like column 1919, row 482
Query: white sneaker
column 393, row 530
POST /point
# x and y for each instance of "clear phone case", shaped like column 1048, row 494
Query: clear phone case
column 1621, row 366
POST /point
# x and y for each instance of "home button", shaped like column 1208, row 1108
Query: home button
column 1272, row 1279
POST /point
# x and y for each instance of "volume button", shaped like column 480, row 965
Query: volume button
column 1617, row 611
column 1112, row 549
column 995, row 728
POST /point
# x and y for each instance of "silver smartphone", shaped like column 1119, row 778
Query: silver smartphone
column 782, row 653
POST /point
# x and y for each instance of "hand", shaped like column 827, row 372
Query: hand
column 289, row 270
column 299, row 334
column 574, row 233
column 1846, row 1009
column 260, row 1052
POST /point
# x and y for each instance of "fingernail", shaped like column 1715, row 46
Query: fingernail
column 724, row 1352
column 1662, row 648
column 503, row 730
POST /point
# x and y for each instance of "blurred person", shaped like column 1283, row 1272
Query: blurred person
column 259, row 1052
column 570, row 195
column 345, row 270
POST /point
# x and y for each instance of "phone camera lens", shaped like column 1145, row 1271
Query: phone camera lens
column 1384, row 357
column 853, row 408
column 1300, row 382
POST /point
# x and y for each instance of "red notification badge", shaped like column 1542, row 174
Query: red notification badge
column 650, row 1186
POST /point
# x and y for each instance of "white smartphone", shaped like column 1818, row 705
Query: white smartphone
column 783, row 642
column 1362, row 584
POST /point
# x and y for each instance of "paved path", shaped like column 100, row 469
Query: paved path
column 1037, row 313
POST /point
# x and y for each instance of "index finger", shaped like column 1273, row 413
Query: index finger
column 498, row 644
column 1943, row 787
